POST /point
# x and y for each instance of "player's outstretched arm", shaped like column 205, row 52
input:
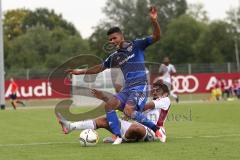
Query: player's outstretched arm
column 156, row 27
column 99, row 95
column 173, row 71
column 94, row 70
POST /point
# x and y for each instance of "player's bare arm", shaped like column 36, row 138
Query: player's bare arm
column 173, row 73
column 99, row 95
column 149, row 105
column 156, row 27
column 93, row 70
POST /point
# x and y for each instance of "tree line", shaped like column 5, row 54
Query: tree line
column 43, row 39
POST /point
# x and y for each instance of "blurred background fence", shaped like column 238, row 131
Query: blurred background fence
column 181, row 69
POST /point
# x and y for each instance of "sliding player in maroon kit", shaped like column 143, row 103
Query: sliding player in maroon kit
column 155, row 110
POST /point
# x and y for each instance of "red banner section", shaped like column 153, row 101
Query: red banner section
column 37, row 89
column 199, row 83
column 59, row 88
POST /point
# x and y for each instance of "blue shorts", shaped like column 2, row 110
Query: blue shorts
column 135, row 96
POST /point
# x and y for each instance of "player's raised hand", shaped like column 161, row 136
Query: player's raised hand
column 153, row 13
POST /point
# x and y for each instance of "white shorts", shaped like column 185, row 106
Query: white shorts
column 125, row 125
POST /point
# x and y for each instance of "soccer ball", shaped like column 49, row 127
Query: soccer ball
column 88, row 137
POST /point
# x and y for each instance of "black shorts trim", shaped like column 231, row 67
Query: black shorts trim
column 13, row 96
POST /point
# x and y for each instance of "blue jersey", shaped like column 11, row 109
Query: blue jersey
column 130, row 60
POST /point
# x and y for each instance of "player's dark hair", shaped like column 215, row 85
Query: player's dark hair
column 114, row 30
column 160, row 85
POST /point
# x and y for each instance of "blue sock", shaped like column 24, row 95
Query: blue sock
column 141, row 118
column 113, row 122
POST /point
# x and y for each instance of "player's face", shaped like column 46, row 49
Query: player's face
column 116, row 39
column 156, row 92
column 166, row 61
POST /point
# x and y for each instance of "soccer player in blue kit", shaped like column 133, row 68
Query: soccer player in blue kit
column 129, row 57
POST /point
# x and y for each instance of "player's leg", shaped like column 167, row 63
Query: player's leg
column 170, row 87
column 20, row 102
column 112, row 118
column 101, row 122
column 112, row 104
column 175, row 96
column 68, row 126
column 13, row 100
column 130, row 111
column 136, row 132
column 117, row 102
column 91, row 124
column 131, row 132
column 117, row 87
column 140, row 133
column 135, row 105
column 14, row 104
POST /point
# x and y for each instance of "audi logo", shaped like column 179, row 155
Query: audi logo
column 184, row 84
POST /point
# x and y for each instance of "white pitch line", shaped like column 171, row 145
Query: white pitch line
column 182, row 137
column 215, row 136
column 35, row 144
column 52, row 143
column 219, row 136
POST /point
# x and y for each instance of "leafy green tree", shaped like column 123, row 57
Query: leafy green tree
column 216, row 44
column 13, row 22
column 198, row 12
column 168, row 10
column 28, row 50
column 233, row 18
column 49, row 19
column 97, row 41
column 179, row 41
column 43, row 48
column 39, row 39
column 18, row 21
column 132, row 17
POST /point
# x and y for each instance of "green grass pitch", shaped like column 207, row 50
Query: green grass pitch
column 196, row 131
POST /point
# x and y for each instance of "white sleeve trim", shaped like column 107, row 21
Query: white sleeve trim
column 163, row 103
column 173, row 68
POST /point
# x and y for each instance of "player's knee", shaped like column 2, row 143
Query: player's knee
column 108, row 106
column 111, row 104
column 101, row 123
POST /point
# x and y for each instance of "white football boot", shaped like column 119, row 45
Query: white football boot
column 117, row 141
